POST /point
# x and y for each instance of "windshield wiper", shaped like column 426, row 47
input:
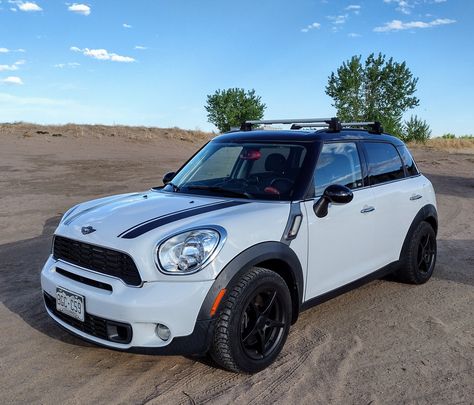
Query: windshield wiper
column 174, row 186
column 217, row 189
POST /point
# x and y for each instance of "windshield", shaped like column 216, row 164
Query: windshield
column 244, row 170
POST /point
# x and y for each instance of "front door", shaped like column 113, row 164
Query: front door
column 339, row 244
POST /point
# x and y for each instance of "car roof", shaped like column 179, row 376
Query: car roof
column 304, row 136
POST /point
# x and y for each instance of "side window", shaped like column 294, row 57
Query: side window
column 384, row 162
column 408, row 161
column 338, row 163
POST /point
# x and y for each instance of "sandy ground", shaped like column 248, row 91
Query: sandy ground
column 383, row 343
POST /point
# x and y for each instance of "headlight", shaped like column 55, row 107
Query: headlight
column 189, row 251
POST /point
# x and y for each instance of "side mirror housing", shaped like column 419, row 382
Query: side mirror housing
column 336, row 194
column 168, row 177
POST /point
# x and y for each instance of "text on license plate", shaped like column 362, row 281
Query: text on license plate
column 70, row 303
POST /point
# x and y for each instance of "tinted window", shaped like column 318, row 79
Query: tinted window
column 384, row 163
column 338, row 163
column 408, row 161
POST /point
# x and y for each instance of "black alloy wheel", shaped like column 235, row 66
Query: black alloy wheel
column 262, row 324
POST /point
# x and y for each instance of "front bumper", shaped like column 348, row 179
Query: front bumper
column 175, row 304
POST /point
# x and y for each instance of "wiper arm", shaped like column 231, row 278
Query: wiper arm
column 175, row 187
column 218, row 189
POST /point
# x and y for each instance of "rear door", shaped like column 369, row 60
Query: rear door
column 398, row 198
column 339, row 244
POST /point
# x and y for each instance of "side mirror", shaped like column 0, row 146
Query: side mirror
column 336, row 194
column 168, row 177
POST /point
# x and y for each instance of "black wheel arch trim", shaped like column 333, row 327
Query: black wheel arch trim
column 265, row 252
column 427, row 213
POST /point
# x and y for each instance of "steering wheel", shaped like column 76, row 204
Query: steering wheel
column 278, row 186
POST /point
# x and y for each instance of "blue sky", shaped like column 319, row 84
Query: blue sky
column 147, row 62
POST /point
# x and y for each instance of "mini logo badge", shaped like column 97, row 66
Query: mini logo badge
column 86, row 230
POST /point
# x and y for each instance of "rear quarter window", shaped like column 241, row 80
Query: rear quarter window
column 408, row 161
column 384, row 162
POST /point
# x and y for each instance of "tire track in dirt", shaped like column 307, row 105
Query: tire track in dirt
column 185, row 376
column 267, row 383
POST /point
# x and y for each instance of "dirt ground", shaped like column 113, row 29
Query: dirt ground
column 383, row 343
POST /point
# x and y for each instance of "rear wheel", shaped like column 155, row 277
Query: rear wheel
column 253, row 323
column 420, row 258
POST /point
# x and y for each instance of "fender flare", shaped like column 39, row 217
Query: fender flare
column 254, row 255
column 426, row 213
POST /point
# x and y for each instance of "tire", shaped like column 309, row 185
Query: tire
column 420, row 257
column 253, row 322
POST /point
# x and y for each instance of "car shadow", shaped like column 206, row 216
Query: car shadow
column 20, row 286
column 452, row 185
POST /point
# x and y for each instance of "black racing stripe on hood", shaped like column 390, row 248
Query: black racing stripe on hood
column 178, row 216
column 166, row 215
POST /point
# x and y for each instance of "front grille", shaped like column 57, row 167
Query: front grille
column 92, row 325
column 96, row 258
column 84, row 280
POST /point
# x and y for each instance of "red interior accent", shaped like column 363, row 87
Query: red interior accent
column 251, row 154
column 271, row 190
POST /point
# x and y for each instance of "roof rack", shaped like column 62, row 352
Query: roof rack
column 333, row 124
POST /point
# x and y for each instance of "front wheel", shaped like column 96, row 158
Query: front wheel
column 420, row 258
column 253, row 323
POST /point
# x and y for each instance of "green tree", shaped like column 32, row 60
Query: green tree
column 231, row 107
column 376, row 90
column 416, row 130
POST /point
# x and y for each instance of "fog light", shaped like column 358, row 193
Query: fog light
column 163, row 332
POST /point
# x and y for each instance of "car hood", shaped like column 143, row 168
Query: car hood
column 129, row 216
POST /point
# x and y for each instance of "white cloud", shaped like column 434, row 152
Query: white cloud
column 353, row 35
column 126, row 25
column 6, row 50
column 102, row 54
column 338, row 19
column 12, row 80
column 65, row 65
column 397, row 25
column 355, row 8
column 83, row 9
column 140, row 47
column 11, row 68
column 312, row 26
column 404, row 6
column 28, row 6
column 13, row 9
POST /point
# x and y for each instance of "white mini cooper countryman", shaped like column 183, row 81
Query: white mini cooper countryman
column 257, row 226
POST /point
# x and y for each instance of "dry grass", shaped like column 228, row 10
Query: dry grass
column 465, row 145
column 28, row 130
column 143, row 134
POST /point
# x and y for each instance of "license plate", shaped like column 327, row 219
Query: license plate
column 70, row 303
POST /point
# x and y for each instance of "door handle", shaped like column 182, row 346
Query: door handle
column 365, row 210
column 415, row 197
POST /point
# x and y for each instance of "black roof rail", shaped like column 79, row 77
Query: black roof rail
column 333, row 124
